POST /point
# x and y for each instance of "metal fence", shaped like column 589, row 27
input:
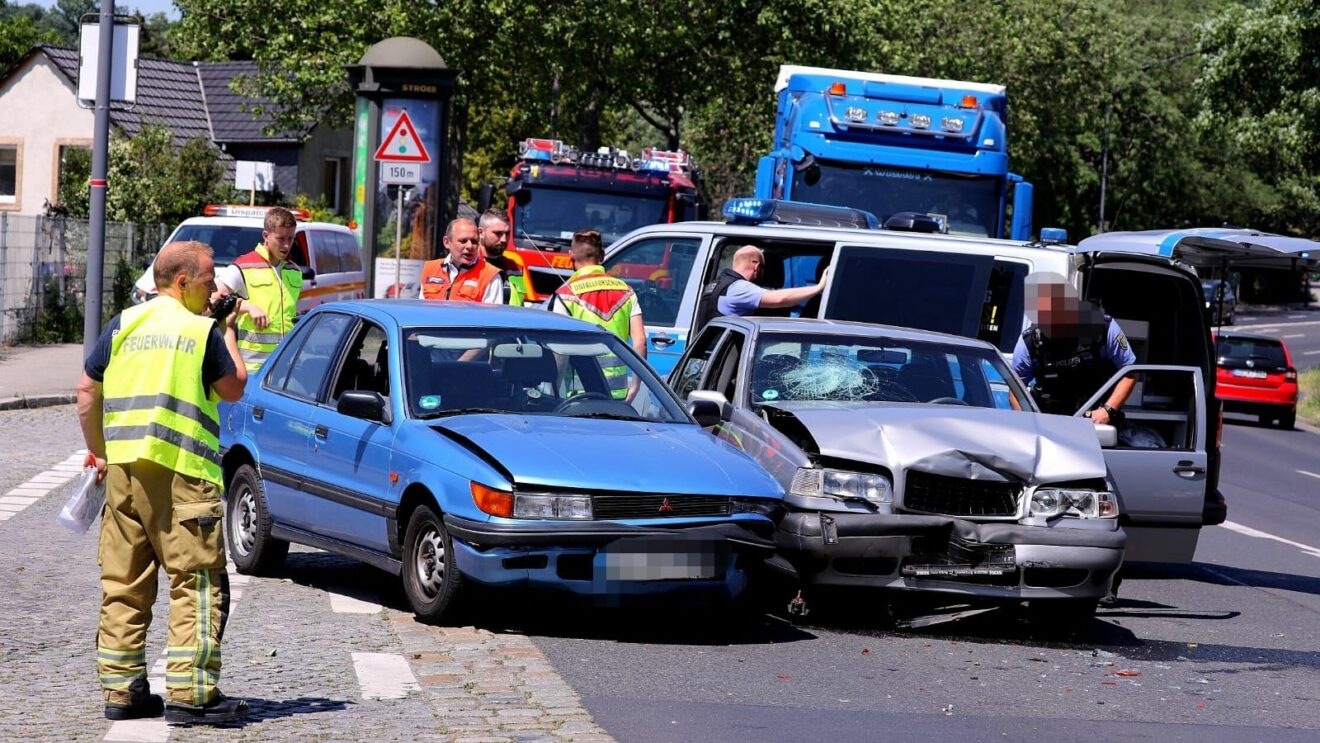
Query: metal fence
column 43, row 268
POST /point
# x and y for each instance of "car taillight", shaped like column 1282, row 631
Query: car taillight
column 1290, row 375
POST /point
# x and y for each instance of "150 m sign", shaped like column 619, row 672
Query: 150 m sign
column 400, row 174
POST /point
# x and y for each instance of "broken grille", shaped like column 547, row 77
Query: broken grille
column 653, row 506
column 955, row 496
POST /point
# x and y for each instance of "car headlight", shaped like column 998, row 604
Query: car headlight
column 818, row 482
column 531, row 505
column 1082, row 504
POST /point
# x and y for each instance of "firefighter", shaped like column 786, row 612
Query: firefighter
column 1070, row 350
column 147, row 405
column 592, row 295
column 269, row 284
column 734, row 291
column 493, row 232
column 464, row 275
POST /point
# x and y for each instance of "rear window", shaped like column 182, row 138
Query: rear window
column 1261, row 352
column 931, row 291
column 228, row 241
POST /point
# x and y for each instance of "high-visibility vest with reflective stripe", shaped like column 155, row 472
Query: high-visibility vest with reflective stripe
column 275, row 291
column 600, row 299
column 156, row 407
column 468, row 285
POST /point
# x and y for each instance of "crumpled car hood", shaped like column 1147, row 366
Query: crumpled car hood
column 609, row 455
column 966, row 442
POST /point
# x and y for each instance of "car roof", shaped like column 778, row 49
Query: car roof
column 1008, row 248
column 429, row 313
column 846, row 327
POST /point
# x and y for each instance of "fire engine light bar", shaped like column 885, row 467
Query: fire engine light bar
column 919, row 121
column 757, row 211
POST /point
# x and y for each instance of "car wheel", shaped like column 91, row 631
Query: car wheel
column 431, row 579
column 247, row 526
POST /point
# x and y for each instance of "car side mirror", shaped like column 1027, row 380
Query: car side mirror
column 1107, row 434
column 308, row 273
column 709, row 408
column 371, row 406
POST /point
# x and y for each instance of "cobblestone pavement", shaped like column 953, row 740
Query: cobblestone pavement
column 322, row 651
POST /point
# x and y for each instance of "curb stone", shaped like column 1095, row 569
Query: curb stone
column 36, row 401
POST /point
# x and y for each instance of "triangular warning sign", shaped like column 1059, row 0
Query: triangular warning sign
column 402, row 145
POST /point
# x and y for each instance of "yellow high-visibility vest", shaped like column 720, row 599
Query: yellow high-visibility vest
column 276, row 292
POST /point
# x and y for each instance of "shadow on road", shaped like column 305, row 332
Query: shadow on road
column 263, row 710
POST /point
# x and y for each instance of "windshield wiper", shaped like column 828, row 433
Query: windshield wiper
column 609, row 416
column 460, row 411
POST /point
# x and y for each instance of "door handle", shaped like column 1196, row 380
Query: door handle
column 662, row 341
column 258, row 413
column 320, row 432
column 1186, row 467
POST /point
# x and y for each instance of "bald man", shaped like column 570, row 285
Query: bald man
column 734, row 291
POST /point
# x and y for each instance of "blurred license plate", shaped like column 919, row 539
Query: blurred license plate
column 643, row 559
column 953, row 570
column 1250, row 373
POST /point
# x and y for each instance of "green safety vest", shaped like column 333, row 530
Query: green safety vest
column 155, row 405
column 600, row 299
column 276, row 292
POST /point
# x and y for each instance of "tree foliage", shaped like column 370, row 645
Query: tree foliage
column 155, row 180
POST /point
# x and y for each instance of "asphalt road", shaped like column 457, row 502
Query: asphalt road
column 1299, row 330
column 1225, row 649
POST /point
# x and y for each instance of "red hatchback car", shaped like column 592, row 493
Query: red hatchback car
column 1256, row 376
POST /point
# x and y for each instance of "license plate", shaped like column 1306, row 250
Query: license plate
column 1250, row 373
column 661, row 560
column 954, row 570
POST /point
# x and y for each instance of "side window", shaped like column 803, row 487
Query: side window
column 723, row 376
column 350, row 255
column 308, row 369
column 366, row 365
column 658, row 270
column 325, row 251
column 279, row 365
column 298, row 254
column 695, row 361
column 1161, row 411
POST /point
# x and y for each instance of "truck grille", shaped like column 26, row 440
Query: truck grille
column 954, row 496
column 607, row 507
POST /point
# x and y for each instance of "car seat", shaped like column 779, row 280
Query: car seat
column 461, row 384
column 925, row 378
column 528, row 373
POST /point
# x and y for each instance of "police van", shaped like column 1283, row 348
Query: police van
column 328, row 254
column 973, row 287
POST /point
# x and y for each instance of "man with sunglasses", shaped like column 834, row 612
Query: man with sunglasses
column 464, row 275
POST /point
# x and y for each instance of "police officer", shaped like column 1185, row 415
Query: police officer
column 463, row 275
column 147, row 404
column 592, row 295
column 734, row 291
column 1070, row 350
column 269, row 284
column 493, row 233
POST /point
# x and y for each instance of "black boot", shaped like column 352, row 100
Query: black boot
column 142, row 703
column 221, row 710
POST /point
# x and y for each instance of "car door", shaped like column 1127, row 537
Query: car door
column 284, row 414
column 727, row 374
column 660, row 269
column 1161, row 463
column 352, row 476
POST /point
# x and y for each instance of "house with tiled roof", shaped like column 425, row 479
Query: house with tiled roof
column 40, row 119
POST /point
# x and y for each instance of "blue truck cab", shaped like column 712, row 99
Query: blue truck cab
column 890, row 143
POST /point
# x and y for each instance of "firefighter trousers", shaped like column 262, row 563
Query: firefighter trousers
column 155, row 517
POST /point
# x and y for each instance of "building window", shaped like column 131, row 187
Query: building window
column 73, row 166
column 8, row 174
column 331, row 182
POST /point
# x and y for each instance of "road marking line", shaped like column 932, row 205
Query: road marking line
column 341, row 604
column 29, row 492
column 1250, row 532
column 1310, row 353
column 13, row 507
column 1295, row 335
column 25, row 500
column 139, row 731
column 4, row 515
column 384, row 675
column 1273, row 325
column 1295, row 317
column 1308, row 474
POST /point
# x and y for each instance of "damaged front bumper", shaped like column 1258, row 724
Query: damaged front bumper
column 944, row 554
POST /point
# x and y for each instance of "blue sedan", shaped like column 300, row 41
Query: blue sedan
column 450, row 443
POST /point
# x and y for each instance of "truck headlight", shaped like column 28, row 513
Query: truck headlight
column 1082, row 504
column 821, row 482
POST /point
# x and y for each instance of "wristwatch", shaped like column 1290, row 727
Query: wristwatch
column 1113, row 411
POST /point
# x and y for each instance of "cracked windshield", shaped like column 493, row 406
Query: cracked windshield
column 791, row 367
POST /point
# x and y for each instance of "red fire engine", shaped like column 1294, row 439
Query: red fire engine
column 555, row 190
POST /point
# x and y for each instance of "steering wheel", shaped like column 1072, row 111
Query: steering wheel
column 948, row 401
column 580, row 398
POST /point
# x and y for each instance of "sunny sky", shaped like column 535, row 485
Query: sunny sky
column 122, row 6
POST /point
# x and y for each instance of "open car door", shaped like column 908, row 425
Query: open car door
column 1161, row 464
